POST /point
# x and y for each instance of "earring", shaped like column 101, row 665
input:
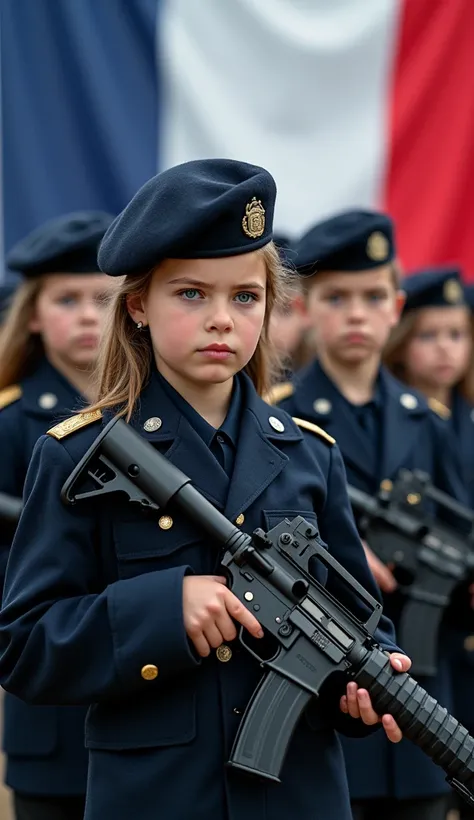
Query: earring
column 139, row 325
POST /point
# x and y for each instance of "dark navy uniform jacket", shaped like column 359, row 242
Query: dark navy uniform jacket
column 401, row 431
column 462, row 639
column 93, row 613
column 44, row 745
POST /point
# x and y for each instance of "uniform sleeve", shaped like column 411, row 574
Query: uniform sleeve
column 448, row 468
column 64, row 639
column 12, row 475
column 338, row 530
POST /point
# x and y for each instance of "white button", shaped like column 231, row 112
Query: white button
column 152, row 425
column 276, row 424
column 409, row 401
column 322, row 406
column 47, row 401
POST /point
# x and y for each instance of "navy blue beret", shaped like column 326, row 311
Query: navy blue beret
column 434, row 287
column 67, row 244
column 469, row 296
column 349, row 241
column 201, row 209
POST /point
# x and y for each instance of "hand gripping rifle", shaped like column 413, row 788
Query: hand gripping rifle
column 430, row 557
column 316, row 635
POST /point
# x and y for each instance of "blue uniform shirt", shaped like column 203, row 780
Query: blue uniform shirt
column 222, row 442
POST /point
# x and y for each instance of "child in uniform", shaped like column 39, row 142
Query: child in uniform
column 353, row 301
column 48, row 344
column 431, row 350
column 130, row 613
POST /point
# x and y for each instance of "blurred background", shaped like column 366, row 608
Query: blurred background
column 349, row 103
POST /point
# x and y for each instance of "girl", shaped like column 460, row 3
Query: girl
column 432, row 350
column 48, row 342
column 131, row 613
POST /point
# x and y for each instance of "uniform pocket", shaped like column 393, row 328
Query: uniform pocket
column 146, row 544
column 166, row 718
column 274, row 517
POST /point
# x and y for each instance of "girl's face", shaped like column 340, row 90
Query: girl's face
column 351, row 314
column 438, row 353
column 205, row 316
column 68, row 316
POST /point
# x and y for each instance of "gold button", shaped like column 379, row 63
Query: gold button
column 165, row 522
column 149, row 671
column 469, row 643
column 224, row 653
column 240, row 519
column 386, row 485
column 413, row 498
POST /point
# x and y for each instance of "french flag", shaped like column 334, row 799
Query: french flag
column 349, row 103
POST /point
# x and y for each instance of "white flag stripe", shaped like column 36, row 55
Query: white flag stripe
column 299, row 87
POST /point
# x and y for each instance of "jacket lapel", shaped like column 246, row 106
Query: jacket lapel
column 259, row 459
column 403, row 409
column 319, row 400
column 159, row 422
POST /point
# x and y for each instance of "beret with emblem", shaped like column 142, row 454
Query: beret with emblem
column 200, row 209
column 349, row 241
column 434, row 287
column 66, row 244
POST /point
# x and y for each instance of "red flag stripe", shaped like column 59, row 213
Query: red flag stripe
column 430, row 179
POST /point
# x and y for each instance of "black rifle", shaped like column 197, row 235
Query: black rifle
column 316, row 635
column 10, row 509
column 430, row 558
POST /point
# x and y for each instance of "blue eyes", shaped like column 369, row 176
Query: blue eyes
column 192, row 295
column 432, row 335
column 371, row 298
column 67, row 300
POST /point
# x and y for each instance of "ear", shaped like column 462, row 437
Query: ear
column 301, row 309
column 136, row 308
column 400, row 300
column 298, row 305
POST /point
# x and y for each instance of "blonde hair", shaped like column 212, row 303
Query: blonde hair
column 20, row 349
column 126, row 356
column 394, row 355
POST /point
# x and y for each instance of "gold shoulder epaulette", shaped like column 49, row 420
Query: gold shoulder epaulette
column 10, row 394
column 64, row 428
column 279, row 392
column 439, row 408
column 313, row 428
